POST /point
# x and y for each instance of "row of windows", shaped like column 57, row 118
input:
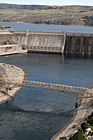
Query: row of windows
column 44, row 48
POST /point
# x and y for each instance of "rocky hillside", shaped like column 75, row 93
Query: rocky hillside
column 63, row 15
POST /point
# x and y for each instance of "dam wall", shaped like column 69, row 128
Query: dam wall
column 7, row 45
column 53, row 42
column 50, row 42
column 5, row 37
column 79, row 44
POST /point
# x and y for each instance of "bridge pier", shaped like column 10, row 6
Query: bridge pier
column 77, row 102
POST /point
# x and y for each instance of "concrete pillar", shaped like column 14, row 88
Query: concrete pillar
column 63, row 31
column 89, row 47
column 27, row 32
column 76, row 103
column 73, row 45
column 81, row 45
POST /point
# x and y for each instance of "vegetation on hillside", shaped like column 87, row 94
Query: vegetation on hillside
column 80, row 134
column 63, row 15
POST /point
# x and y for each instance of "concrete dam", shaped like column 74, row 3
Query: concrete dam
column 79, row 44
column 50, row 42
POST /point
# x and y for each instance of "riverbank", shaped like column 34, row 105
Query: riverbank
column 82, row 112
column 10, row 72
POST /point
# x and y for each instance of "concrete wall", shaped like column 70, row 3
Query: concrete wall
column 10, row 48
column 79, row 45
column 40, row 41
column 7, row 46
column 54, row 42
column 5, row 36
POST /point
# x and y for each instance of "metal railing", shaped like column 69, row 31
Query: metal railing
column 70, row 90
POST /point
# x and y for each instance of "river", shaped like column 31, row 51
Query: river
column 38, row 114
column 49, row 28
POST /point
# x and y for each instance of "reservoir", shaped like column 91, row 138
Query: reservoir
column 48, row 28
column 38, row 114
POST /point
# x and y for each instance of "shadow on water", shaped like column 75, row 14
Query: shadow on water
column 17, row 110
column 19, row 124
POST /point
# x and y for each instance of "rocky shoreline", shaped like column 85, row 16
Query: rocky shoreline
column 11, row 72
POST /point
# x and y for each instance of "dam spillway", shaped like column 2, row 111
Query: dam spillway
column 51, row 42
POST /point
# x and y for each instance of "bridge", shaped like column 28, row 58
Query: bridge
column 76, row 92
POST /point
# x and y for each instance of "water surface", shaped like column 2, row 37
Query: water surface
column 34, row 113
column 48, row 28
column 38, row 114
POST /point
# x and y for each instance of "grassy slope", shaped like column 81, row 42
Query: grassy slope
column 77, row 15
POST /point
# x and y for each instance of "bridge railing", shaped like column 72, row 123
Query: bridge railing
column 55, row 86
column 48, row 85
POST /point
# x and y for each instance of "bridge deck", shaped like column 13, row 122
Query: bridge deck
column 73, row 91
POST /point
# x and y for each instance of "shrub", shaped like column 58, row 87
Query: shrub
column 85, row 125
column 77, row 136
column 90, row 121
column 74, row 126
column 90, row 116
column 80, row 130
